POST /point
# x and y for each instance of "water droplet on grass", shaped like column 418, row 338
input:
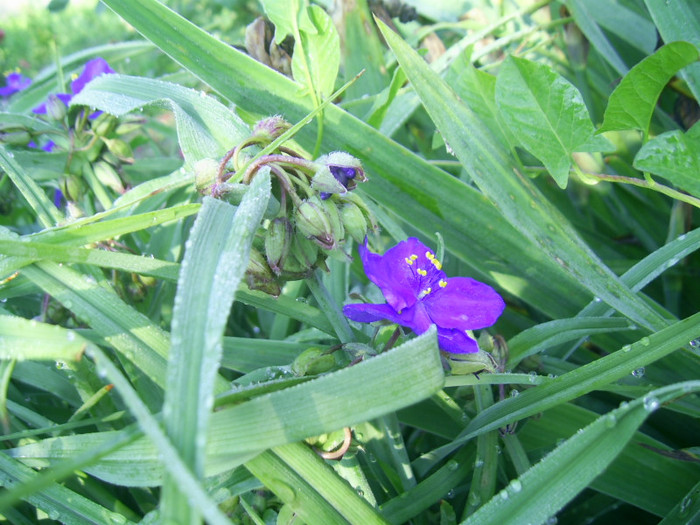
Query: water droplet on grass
column 651, row 403
column 638, row 372
column 515, row 485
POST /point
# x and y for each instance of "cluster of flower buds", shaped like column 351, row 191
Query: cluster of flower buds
column 97, row 142
column 313, row 211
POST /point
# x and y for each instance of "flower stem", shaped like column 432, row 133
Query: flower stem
column 647, row 183
column 330, row 308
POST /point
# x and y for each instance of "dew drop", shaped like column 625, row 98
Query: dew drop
column 685, row 504
column 361, row 493
column 638, row 372
column 452, row 465
column 479, row 463
column 504, row 495
column 515, row 485
column 118, row 519
column 626, row 348
column 70, row 335
column 695, row 343
column 532, row 376
column 514, row 393
column 596, row 299
column 474, row 499
column 450, row 494
column 644, row 341
column 651, row 403
column 54, row 514
column 610, row 420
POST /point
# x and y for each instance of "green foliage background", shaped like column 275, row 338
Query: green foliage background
column 142, row 380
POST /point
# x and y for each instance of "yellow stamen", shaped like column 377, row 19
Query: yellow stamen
column 408, row 261
column 424, row 292
column 414, row 257
column 442, row 283
column 433, row 260
column 422, row 272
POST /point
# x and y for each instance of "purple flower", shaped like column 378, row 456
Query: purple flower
column 93, row 69
column 419, row 294
column 344, row 175
column 14, row 82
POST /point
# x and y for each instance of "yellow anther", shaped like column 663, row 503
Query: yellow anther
column 408, row 261
column 432, row 259
column 425, row 292
column 422, row 272
column 414, row 257
column 442, row 283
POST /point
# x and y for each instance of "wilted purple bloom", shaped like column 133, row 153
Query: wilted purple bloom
column 419, row 294
column 344, row 175
column 14, row 82
column 93, row 69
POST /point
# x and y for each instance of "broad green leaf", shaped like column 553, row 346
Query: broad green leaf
column 289, row 16
column 214, row 263
column 405, row 375
column 22, row 339
column 545, row 113
column 517, row 198
column 397, row 176
column 675, row 156
column 205, row 127
column 550, row 484
column 316, row 58
column 632, row 103
column 679, row 20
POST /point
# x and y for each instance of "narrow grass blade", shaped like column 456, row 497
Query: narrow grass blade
column 558, row 478
column 24, row 339
column 214, row 263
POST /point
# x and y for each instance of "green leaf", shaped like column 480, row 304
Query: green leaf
column 679, row 20
column 632, row 103
column 316, row 58
column 316, row 493
column 205, row 127
column 214, row 263
column 545, row 112
column 46, row 212
column 675, row 156
column 288, row 16
column 24, row 339
column 550, row 484
column 585, row 18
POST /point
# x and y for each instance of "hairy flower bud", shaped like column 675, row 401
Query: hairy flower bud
column 313, row 222
column 108, row 176
column 258, row 275
column 205, row 172
column 345, row 168
column 16, row 137
column 313, row 361
column 120, row 148
column 72, row 187
column 270, row 128
column 354, row 221
column 462, row 364
column 278, row 242
column 55, row 108
column 104, row 124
